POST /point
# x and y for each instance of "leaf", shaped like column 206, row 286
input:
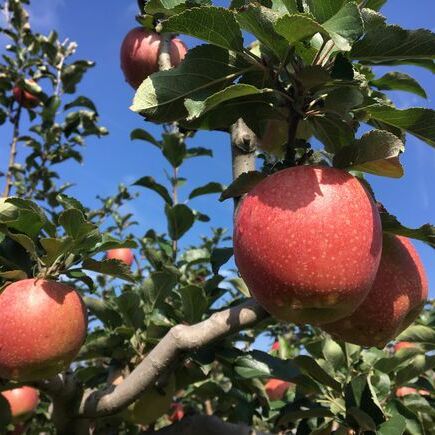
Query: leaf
column 375, row 4
column 129, row 307
column 342, row 99
column 396, row 81
column 312, row 76
column 219, row 257
column 311, row 368
column 242, row 184
column 158, row 287
column 205, row 70
column 394, row 43
column 198, row 152
column 364, row 420
column 13, row 275
column 376, row 153
column 207, row 189
column 212, row 24
column 170, row 7
column 68, row 202
column 5, row 412
column 418, row 334
column 194, row 303
column 323, row 10
column 101, row 309
column 174, row 149
column 141, row 134
column 297, row 27
column 150, row 183
column 180, row 220
column 394, row 426
column 333, row 353
column 81, row 102
column 115, row 268
column 417, row 121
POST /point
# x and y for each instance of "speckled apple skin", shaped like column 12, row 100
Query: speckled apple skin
column 43, row 326
column 307, row 242
column 393, row 303
column 121, row 254
column 276, row 388
column 140, row 51
column 22, row 401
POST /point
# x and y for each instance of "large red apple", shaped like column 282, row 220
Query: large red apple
column 307, row 242
column 25, row 98
column 22, row 401
column 140, row 52
column 394, row 302
column 43, row 326
column 276, row 388
column 122, row 254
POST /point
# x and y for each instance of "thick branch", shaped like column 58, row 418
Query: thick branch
column 179, row 340
column 204, row 424
column 165, row 52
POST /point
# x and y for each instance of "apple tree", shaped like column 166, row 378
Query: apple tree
column 109, row 327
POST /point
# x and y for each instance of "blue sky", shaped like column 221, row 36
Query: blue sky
column 99, row 26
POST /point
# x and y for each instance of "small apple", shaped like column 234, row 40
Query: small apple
column 43, row 326
column 307, row 242
column 405, row 391
column 140, row 51
column 275, row 346
column 276, row 388
column 122, row 254
column 25, row 98
column 403, row 345
column 177, row 412
column 153, row 403
column 22, row 401
column 395, row 300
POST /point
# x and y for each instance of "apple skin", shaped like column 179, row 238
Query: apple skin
column 394, row 302
column 43, row 326
column 25, row 98
column 403, row 345
column 22, row 401
column 276, row 388
column 405, row 391
column 140, row 52
column 307, row 242
column 152, row 404
column 122, row 254
column 177, row 413
column 275, row 346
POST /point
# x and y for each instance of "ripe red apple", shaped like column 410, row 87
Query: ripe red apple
column 177, row 413
column 25, row 98
column 307, row 242
column 121, row 254
column 22, row 401
column 403, row 345
column 405, row 391
column 276, row 388
column 394, row 302
column 140, row 51
column 43, row 326
column 275, row 346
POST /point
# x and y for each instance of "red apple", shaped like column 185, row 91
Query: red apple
column 405, row 391
column 177, row 413
column 43, row 326
column 22, row 401
column 25, row 98
column 276, row 388
column 403, row 345
column 275, row 346
column 394, row 302
column 121, row 254
column 140, row 51
column 307, row 242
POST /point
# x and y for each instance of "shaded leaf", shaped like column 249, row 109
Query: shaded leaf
column 219, row 257
column 207, row 189
column 150, row 183
column 194, row 303
column 242, row 184
column 141, row 134
column 180, row 220
column 115, row 268
column 395, row 81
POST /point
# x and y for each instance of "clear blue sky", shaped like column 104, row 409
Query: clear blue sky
column 99, row 27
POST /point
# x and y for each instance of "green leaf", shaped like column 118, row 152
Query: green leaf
column 311, row 368
column 342, row 99
column 284, row 6
column 416, row 121
column 396, row 81
column 297, row 27
column 54, row 248
column 13, row 275
column 180, row 220
column 174, row 149
column 333, row 353
column 103, row 311
column 198, row 152
column 194, row 303
column 375, row 4
column 364, row 421
column 68, row 202
column 5, row 412
column 242, row 184
column 158, row 287
column 171, row 7
column 323, row 10
column 394, row 43
column 376, row 153
column 115, row 268
column 207, row 189
column 205, row 70
column 129, row 307
column 141, row 134
column 150, row 183
column 85, row 234
column 312, row 76
column 212, row 24
column 219, row 257
column 81, row 102
column 418, row 334
column 413, row 370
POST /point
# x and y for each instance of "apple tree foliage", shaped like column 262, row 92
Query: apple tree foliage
column 312, row 65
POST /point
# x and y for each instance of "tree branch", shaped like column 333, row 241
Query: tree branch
column 205, row 424
column 179, row 340
column 165, row 52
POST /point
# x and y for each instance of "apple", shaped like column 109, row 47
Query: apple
column 140, row 52
column 275, row 346
column 43, row 326
column 405, row 391
column 403, row 345
column 153, row 403
column 177, row 413
column 307, row 242
column 394, row 302
column 122, row 254
column 276, row 388
column 25, row 98
column 22, row 401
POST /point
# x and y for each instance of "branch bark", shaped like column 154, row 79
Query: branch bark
column 205, row 424
column 165, row 52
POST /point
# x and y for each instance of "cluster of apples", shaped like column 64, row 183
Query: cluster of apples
column 308, row 242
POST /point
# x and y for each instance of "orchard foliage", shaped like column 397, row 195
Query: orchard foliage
column 312, row 68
